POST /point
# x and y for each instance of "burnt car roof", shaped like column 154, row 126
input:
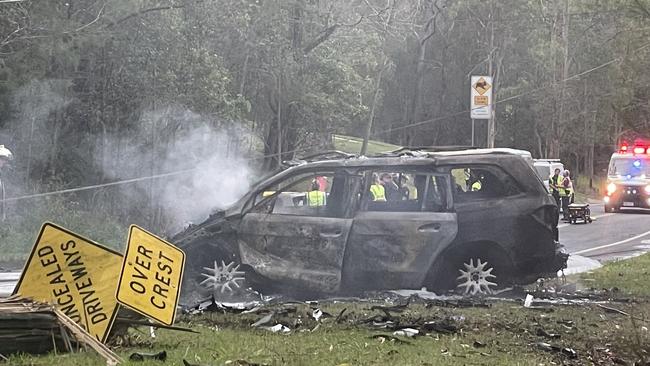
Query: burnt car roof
column 417, row 158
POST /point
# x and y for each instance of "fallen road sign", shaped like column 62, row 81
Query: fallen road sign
column 150, row 280
column 76, row 275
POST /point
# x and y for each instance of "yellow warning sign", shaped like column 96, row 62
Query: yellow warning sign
column 152, row 270
column 76, row 275
column 482, row 86
column 481, row 100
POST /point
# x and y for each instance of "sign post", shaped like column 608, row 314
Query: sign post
column 76, row 275
column 481, row 100
column 150, row 280
column 473, row 122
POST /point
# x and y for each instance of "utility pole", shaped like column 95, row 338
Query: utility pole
column 380, row 75
column 473, row 122
column 279, row 117
column 491, row 130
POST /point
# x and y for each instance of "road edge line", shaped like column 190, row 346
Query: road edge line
column 611, row 245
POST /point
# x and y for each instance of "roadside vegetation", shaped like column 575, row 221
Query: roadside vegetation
column 472, row 332
column 628, row 277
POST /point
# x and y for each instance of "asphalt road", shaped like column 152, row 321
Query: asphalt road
column 610, row 236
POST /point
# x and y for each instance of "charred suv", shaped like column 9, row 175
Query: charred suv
column 466, row 220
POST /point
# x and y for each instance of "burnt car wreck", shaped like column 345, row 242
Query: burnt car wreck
column 468, row 220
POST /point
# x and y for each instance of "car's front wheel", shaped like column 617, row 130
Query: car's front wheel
column 223, row 277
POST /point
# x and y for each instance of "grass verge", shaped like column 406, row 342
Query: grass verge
column 505, row 333
column 630, row 276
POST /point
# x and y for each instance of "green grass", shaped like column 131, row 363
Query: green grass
column 325, row 347
column 509, row 332
column 630, row 276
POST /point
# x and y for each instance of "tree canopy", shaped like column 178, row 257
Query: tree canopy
column 93, row 91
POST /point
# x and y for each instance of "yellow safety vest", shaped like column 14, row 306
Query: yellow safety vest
column 316, row 198
column 378, row 192
column 560, row 187
column 476, row 186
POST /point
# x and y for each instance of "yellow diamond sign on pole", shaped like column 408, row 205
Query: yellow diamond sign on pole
column 76, row 275
column 152, row 270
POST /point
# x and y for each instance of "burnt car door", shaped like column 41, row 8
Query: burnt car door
column 295, row 236
column 394, row 242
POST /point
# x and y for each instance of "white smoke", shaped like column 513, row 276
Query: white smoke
column 175, row 139
column 221, row 176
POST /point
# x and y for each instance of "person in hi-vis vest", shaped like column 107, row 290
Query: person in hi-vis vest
column 378, row 193
column 316, row 197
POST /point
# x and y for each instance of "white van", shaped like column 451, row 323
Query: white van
column 628, row 178
column 545, row 169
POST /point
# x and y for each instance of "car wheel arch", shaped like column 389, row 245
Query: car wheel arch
column 445, row 266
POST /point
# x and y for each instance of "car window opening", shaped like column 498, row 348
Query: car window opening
column 314, row 194
column 404, row 191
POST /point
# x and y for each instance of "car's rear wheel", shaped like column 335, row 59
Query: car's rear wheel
column 471, row 271
column 476, row 278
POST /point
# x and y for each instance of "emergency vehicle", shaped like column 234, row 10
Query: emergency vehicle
column 628, row 178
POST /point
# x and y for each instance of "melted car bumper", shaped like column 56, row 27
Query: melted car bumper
column 540, row 267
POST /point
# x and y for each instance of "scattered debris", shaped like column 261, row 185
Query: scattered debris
column 279, row 328
column 31, row 327
column 543, row 333
column 212, row 305
column 384, row 337
column 264, row 320
column 160, row 356
column 339, row 317
column 83, row 337
column 443, row 327
column 529, row 301
column 478, row 344
column 406, row 332
column 244, row 363
column 569, row 352
column 459, row 303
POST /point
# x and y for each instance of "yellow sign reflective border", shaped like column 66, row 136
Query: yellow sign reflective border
column 76, row 275
column 150, row 280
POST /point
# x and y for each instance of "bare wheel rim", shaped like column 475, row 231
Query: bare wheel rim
column 224, row 277
column 476, row 279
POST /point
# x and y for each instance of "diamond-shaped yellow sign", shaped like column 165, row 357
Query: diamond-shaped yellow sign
column 152, row 271
column 482, row 86
column 74, row 274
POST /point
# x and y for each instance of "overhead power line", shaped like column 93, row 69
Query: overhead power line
column 126, row 181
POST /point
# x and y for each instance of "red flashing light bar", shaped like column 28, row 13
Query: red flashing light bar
column 624, row 149
column 636, row 149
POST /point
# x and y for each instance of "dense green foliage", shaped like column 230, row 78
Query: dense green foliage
column 93, row 91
